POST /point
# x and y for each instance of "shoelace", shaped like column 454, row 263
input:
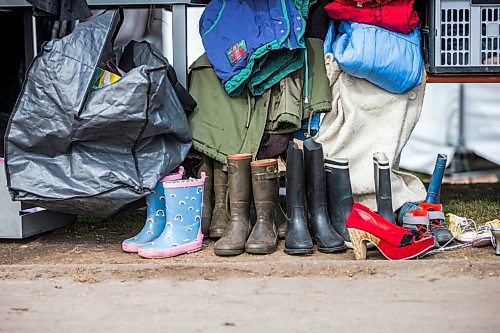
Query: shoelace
column 443, row 248
column 487, row 228
column 436, row 223
column 423, row 231
column 484, row 229
column 469, row 225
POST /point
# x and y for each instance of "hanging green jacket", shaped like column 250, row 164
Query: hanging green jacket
column 222, row 125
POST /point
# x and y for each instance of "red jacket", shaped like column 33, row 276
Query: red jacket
column 395, row 15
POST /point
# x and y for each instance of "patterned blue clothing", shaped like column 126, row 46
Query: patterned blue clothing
column 258, row 42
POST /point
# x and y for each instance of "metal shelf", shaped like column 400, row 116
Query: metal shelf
column 179, row 25
column 91, row 3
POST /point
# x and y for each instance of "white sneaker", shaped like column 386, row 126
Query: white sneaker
column 484, row 233
column 464, row 230
column 484, row 236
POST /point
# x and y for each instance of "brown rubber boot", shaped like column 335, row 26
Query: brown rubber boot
column 235, row 236
column 206, row 215
column 220, row 218
column 264, row 236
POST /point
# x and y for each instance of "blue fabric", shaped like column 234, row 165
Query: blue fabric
column 301, row 134
column 239, row 35
column 390, row 60
column 329, row 38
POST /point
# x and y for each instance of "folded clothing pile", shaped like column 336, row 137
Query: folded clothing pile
column 377, row 40
column 395, row 15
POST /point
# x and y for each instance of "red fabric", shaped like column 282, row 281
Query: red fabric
column 395, row 15
column 428, row 206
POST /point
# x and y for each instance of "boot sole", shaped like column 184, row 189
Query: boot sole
column 171, row 252
column 228, row 253
column 299, row 251
column 131, row 248
column 332, row 249
column 217, row 235
column 261, row 251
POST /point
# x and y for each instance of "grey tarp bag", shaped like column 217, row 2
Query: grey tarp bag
column 79, row 151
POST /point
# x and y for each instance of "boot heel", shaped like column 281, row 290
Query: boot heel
column 393, row 242
column 359, row 238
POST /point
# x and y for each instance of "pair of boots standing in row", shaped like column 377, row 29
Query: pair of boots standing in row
column 246, row 179
column 173, row 219
column 261, row 177
column 327, row 186
column 216, row 216
column 174, row 225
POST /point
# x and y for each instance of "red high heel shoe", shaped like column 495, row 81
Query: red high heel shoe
column 394, row 242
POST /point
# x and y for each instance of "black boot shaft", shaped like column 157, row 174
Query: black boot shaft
column 327, row 239
column 340, row 199
column 295, row 179
column 297, row 237
column 383, row 191
column 315, row 176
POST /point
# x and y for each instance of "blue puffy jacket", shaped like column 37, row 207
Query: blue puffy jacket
column 252, row 41
column 390, row 60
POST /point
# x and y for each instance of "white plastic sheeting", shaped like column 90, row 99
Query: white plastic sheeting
column 438, row 128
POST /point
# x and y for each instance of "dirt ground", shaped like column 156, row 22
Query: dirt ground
column 77, row 279
column 93, row 242
column 100, row 244
column 67, row 281
column 61, row 282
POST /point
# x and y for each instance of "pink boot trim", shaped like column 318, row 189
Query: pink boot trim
column 173, row 251
column 131, row 247
column 174, row 176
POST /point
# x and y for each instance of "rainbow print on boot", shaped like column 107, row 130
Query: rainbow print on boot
column 182, row 232
column 155, row 215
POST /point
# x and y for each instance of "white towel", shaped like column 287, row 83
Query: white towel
column 367, row 119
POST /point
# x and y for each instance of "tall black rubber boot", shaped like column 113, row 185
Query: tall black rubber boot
column 383, row 192
column 297, row 237
column 340, row 198
column 326, row 238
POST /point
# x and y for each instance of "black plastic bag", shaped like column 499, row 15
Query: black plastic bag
column 79, row 151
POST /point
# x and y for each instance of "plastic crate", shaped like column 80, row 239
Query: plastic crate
column 464, row 36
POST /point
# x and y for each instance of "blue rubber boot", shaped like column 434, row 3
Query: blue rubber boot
column 436, row 179
column 182, row 233
column 155, row 216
